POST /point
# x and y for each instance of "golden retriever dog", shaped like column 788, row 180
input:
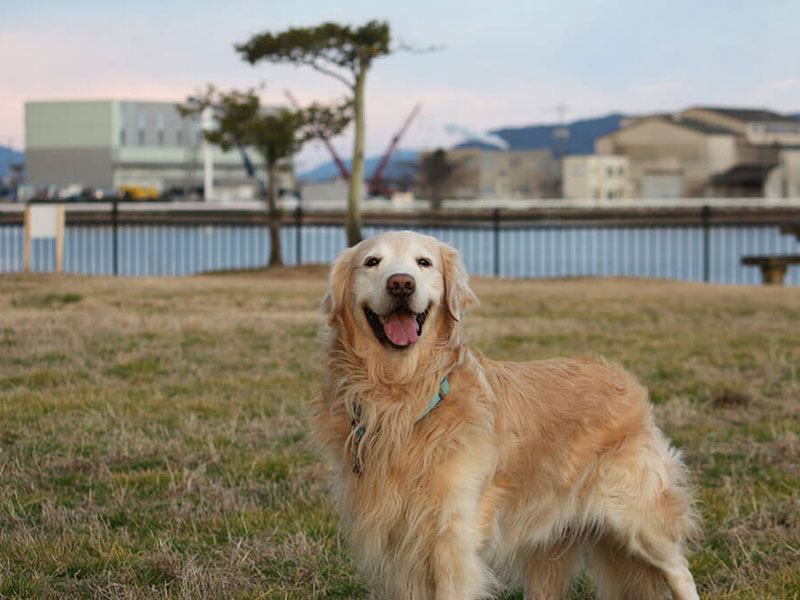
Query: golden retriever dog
column 456, row 475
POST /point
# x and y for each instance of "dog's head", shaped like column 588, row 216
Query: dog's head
column 396, row 286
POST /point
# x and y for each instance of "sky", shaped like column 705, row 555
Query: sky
column 499, row 63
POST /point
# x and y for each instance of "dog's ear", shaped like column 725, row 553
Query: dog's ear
column 338, row 285
column 458, row 297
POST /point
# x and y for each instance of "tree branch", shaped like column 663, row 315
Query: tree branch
column 404, row 47
column 316, row 66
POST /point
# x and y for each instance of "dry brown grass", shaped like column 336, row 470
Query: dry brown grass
column 154, row 438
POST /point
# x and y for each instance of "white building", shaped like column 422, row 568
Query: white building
column 595, row 177
column 112, row 144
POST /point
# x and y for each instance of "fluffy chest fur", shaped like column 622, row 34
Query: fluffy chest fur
column 396, row 450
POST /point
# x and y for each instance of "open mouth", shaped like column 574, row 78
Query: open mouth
column 399, row 328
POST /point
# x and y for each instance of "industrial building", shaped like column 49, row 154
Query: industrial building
column 501, row 174
column 113, row 145
column 703, row 151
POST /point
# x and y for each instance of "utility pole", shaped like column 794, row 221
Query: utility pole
column 561, row 134
column 8, row 157
column 189, row 155
column 206, row 120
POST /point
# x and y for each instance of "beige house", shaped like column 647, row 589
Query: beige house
column 758, row 127
column 596, row 177
column 701, row 151
column 784, row 180
column 500, row 174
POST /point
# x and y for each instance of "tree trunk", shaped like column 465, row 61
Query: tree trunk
column 436, row 198
column 353, row 220
column 275, row 255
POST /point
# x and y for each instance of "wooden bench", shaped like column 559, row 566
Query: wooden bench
column 791, row 230
column 773, row 268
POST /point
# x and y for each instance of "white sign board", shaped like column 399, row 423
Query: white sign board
column 43, row 220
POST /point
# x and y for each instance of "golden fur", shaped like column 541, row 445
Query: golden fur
column 519, row 474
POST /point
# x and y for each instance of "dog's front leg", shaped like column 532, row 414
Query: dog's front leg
column 458, row 572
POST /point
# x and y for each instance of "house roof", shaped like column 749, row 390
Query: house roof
column 747, row 115
column 690, row 124
column 699, row 126
column 752, row 174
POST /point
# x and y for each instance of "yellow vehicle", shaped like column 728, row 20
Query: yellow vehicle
column 138, row 192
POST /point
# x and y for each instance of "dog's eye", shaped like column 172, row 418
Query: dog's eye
column 372, row 262
column 423, row 262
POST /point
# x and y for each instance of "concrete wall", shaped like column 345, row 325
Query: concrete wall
column 723, row 153
column 501, row 174
column 519, row 174
column 790, row 164
column 144, row 155
column 88, row 167
column 86, row 124
column 784, row 181
column 171, row 175
column 596, row 177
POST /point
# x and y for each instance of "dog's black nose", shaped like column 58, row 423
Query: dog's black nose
column 400, row 285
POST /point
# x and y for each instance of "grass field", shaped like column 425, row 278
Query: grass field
column 154, row 437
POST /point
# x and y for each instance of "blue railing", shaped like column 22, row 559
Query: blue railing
column 499, row 244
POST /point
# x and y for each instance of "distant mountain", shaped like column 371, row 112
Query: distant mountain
column 402, row 164
column 581, row 135
column 9, row 156
column 581, row 141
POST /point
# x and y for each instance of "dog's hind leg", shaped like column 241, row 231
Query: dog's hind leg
column 657, row 539
column 619, row 575
column 631, row 562
column 547, row 572
column 646, row 515
column 680, row 581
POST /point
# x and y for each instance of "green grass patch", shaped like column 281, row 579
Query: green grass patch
column 46, row 300
column 155, row 436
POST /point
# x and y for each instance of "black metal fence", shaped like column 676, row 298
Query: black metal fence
column 687, row 243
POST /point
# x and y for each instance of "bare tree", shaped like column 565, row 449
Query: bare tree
column 240, row 121
column 437, row 173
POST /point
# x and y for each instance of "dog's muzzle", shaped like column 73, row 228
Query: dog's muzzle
column 400, row 327
column 401, row 285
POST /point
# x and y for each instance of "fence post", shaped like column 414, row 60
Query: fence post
column 496, row 221
column 706, row 216
column 114, row 236
column 298, row 224
column 28, row 238
column 60, row 239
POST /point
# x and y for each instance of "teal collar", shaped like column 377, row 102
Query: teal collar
column 444, row 389
column 358, row 430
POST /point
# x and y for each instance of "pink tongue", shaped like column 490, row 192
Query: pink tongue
column 400, row 327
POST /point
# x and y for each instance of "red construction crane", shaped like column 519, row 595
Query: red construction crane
column 376, row 187
column 342, row 168
column 376, row 182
